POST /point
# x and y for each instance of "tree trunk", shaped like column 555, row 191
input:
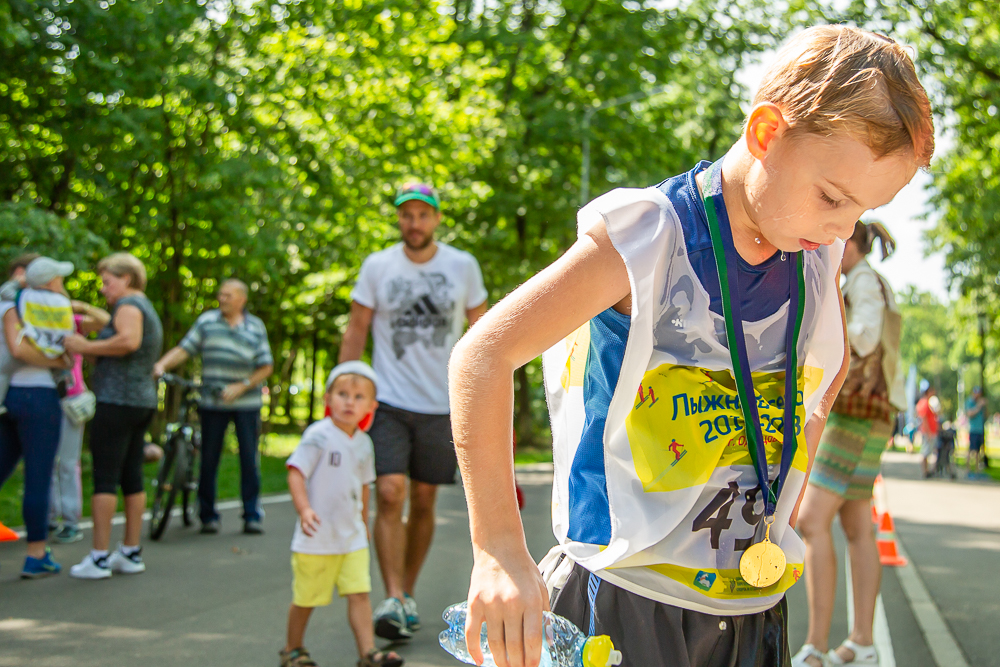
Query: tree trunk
column 286, row 376
column 312, row 376
column 982, row 351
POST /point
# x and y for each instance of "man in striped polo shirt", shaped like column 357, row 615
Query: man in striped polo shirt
column 235, row 355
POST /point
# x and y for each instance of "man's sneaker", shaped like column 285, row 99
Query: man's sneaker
column 253, row 527
column 410, row 609
column 35, row 568
column 89, row 568
column 390, row 620
column 209, row 527
column 68, row 534
column 122, row 564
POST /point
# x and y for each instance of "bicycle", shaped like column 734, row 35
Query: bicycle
column 181, row 445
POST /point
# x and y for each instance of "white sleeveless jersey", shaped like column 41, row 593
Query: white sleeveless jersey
column 681, row 487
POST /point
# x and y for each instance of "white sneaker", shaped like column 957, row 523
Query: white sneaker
column 89, row 568
column 122, row 564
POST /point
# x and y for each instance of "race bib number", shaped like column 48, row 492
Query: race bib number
column 686, row 422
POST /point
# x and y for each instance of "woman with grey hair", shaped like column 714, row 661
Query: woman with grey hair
column 126, row 350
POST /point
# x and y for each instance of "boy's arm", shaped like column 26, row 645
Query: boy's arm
column 300, row 498
column 506, row 590
column 816, row 423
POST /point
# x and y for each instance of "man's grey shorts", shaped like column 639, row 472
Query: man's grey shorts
column 413, row 443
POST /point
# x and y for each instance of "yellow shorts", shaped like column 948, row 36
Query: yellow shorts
column 315, row 575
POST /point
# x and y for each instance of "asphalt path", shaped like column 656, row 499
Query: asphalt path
column 223, row 599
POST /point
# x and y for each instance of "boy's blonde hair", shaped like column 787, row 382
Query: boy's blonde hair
column 123, row 264
column 838, row 78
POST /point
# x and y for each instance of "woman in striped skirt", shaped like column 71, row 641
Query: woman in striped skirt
column 849, row 457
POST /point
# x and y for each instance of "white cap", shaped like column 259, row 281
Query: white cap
column 42, row 270
column 614, row 658
column 352, row 368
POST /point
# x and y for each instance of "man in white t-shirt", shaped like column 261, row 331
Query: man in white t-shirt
column 414, row 297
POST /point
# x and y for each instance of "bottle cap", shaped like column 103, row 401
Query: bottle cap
column 600, row 652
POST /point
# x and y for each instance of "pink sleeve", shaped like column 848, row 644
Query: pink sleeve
column 77, row 371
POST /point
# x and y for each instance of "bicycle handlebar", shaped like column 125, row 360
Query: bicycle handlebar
column 170, row 378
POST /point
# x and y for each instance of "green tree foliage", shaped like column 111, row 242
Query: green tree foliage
column 931, row 342
column 265, row 140
column 958, row 52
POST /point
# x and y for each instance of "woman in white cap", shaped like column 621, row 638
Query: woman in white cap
column 31, row 425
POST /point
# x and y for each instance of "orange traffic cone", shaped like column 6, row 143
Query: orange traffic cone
column 880, row 502
column 885, row 539
column 7, row 535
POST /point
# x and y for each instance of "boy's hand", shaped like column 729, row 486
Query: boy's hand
column 310, row 521
column 507, row 592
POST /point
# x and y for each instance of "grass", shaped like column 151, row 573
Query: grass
column 276, row 447
column 274, row 451
column 524, row 455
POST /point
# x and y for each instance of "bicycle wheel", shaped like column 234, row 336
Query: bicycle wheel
column 165, row 486
column 189, row 487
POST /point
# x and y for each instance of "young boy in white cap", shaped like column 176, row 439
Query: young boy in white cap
column 329, row 474
column 44, row 311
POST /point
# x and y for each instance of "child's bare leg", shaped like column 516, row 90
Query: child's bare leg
column 359, row 612
column 298, row 618
column 866, row 571
column 815, row 523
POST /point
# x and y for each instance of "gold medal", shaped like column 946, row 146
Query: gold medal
column 763, row 563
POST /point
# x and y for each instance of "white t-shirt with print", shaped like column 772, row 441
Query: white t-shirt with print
column 419, row 316
column 336, row 467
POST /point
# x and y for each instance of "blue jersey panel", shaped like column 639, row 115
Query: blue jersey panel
column 762, row 290
column 589, row 512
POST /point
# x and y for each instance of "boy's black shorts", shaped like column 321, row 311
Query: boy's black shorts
column 653, row 634
column 414, row 444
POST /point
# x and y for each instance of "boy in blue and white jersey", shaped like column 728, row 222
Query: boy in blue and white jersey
column 694, row 341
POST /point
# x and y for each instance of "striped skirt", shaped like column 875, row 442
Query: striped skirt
column 849, row 456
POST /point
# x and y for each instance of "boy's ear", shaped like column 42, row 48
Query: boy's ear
column 766, row 123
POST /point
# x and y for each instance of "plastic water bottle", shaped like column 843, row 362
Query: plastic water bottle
column 563, row 645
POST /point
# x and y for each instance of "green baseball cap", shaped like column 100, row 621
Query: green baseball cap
column 418, row 191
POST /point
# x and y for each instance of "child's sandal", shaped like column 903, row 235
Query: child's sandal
column 377, row 658
column 297, row 657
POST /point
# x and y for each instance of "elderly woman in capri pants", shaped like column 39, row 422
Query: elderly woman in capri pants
column 126, row 350
column 849, row 457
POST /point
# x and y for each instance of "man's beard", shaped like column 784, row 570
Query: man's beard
column 421, row 244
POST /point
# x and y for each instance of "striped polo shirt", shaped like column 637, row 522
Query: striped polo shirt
column 229, row 354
